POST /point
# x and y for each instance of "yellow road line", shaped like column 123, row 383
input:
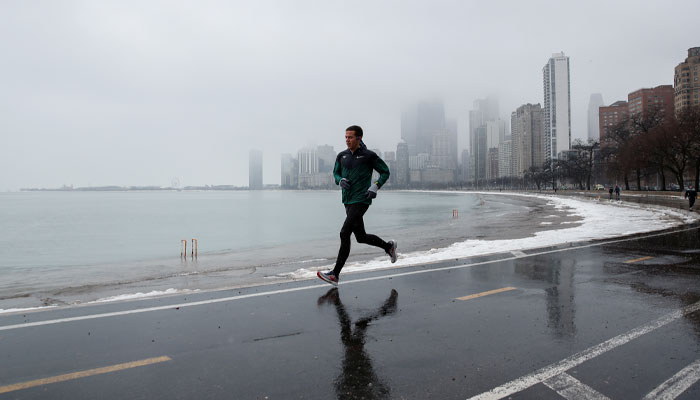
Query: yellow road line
column 638, row 259
column 82, row 374
column 473, row 296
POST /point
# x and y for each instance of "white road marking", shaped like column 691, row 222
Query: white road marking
column 557, row 368
column 273, row 292
column 677, row 384
column 571, row 388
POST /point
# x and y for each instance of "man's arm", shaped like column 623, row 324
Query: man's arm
column 337, row 171
column 380, row 166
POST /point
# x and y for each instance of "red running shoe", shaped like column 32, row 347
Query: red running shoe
column 328, row 277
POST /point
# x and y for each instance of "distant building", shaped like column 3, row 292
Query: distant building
column 419, row 161
column 308, row 167
column 492, row 164
column 643, row 101
column 595, row 102
column 484, row 110
column 326, row 158
column 308, row 161
column 389, row 156
column 289, row 172
column 495, row 133
column 557, row 105
column 480, row 153
column 505, row 154
column 451, row 126
column 442, row 150
column 686, row 82
column 528, row 139
column 433, row 175
column 255, row 170
column 465, row 166
column 402, row 167
column 610, row 116
column 418, row 124
column 315, row 166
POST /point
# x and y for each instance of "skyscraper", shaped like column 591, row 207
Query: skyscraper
column 505, row 155
column 431, row 121
column 326, row 158
column 419, row 122
column 594, row 103
column 480, row 153
column 255, row 170
column 308, row 161
column 484, row 110
column 686, row 81
column 495, row 133
column 466, row 165
column 402, row 169
column 527, row 139
column 289, row 172
column 557, row 105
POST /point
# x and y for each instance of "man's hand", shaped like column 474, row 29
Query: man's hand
column 345, row 184
column 372, row 191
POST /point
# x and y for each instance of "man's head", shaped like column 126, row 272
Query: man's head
column 353, row 137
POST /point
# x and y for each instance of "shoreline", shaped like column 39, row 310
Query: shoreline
column 266, row 274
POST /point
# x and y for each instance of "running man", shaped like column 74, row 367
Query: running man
column 353, row 172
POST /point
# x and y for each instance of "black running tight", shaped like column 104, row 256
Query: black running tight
column 354, row 224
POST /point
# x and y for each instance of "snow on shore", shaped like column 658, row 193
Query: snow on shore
column 599, row 220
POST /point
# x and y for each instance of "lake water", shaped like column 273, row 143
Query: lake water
column 64, row 247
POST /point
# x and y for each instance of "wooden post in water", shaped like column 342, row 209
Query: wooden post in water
column 194, row 248
column 183, row 252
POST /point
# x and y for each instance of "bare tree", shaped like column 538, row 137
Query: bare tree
column 585, row 161
column 616, row 150
column 689, row 125
column 535, row 174
column 643, row 156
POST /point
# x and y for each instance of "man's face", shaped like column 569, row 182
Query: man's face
column 352, row 140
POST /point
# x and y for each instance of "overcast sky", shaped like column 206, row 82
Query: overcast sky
column 141, row 92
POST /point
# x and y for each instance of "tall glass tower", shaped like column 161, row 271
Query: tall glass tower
column 557, row 105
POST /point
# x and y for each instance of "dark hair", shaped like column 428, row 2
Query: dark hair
column 356, row 129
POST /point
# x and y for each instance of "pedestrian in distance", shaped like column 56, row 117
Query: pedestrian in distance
column 611, row 192
column 617, row 192
column 353, row 172
column 691, row 194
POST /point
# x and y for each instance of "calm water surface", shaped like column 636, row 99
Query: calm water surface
column 70, row 243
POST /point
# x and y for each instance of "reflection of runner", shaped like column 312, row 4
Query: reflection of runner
column 358, row 379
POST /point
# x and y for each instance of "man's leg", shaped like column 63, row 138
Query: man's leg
column 353, row 216
column 367, row 238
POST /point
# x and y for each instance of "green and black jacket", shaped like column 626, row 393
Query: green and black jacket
column 357, row 167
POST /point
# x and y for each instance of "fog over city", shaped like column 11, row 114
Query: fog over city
column 144, row 92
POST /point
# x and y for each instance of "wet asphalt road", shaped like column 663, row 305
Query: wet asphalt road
column 596, row 319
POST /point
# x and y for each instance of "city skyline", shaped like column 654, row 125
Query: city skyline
column 162, row 91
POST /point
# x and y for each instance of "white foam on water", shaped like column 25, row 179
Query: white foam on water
column 17, row 310
column 139, row 295
column 599, row 220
